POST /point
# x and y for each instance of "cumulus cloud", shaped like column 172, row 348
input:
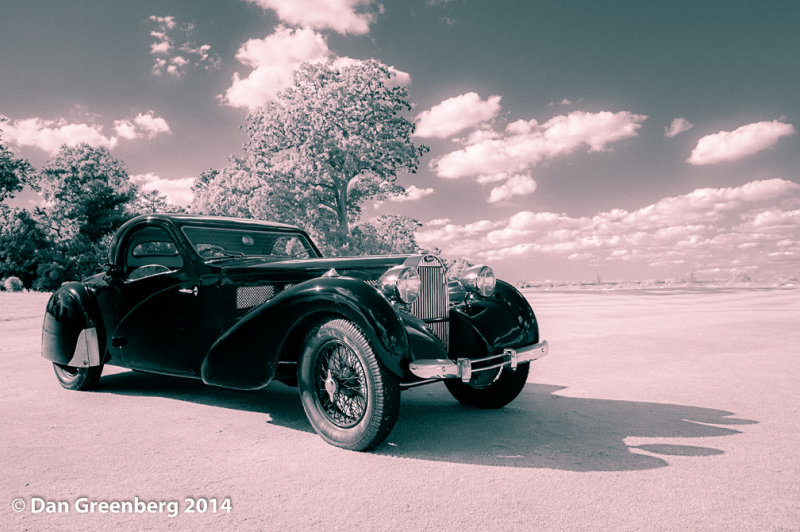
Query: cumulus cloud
column 757, row 223
column 144, row 125
column 456, row 114
column 729, row 146
column 516, row 185
column 678, row 126
column 50, row 135
column 178, row 191
column 174, row 51
column 492, row 156
column 413, row 193
column 342, row 16
column 526, row 144
column 273, row 61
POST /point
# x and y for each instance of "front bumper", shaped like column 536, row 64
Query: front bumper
column 465, row 368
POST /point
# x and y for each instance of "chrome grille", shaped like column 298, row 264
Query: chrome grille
column 432, row 305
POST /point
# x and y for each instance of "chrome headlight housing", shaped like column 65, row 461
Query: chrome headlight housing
column 400, row 283
column 479, row 280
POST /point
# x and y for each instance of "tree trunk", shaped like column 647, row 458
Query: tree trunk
column 342, row 208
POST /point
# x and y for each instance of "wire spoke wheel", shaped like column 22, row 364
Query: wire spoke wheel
column 350, row 398
column 341, row 384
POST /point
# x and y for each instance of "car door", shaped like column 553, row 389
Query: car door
column 162, row 321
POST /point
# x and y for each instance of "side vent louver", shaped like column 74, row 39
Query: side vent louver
column 251, row 296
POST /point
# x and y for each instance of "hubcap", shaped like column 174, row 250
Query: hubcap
column 331, row 387
column 340, row 384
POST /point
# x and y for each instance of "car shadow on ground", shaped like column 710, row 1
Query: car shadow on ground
column 540, row 429
column 280, row 402
column 545, row 430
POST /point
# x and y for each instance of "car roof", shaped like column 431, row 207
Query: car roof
column 184, row 219
column 195, row 219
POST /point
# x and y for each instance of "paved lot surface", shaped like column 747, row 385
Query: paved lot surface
column 654, row 411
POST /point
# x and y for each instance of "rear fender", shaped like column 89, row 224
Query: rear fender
column 69, row 332
column 246, row 356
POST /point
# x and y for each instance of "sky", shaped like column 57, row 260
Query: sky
column 570, row 140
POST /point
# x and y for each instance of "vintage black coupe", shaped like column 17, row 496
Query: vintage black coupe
column 238, row 303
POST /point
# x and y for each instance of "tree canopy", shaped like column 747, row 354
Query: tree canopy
column 86, row 192
column 14, row 172
column 334, row 139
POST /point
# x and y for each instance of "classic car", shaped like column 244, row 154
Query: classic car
column 239, row 303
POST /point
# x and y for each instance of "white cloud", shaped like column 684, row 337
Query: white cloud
column 174, row 51
column 516, row 185
column 456, row 114
column 341, row 16
column 526, row 144
column 273, row 60
column 757, row 223
column 413, row 193
column 50, row 135
column 144, row 125
column 164, row 23
column 729, row 146
column 678, row 126
column 178, row 191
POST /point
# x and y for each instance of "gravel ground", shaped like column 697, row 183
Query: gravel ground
column 662, row 410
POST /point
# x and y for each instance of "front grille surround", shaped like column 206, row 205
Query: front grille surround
column 433, row 304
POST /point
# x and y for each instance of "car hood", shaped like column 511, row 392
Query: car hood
column 364, row 268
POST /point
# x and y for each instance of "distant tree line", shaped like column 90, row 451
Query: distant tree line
column 335, row 139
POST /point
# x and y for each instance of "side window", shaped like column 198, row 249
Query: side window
column 151, row 251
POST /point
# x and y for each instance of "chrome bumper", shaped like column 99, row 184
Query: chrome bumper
column 464, row 368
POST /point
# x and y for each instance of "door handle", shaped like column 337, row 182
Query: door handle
column 192, row 291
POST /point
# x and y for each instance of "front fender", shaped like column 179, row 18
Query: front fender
column 486, row 326
column 246, row 356
column 69, row 331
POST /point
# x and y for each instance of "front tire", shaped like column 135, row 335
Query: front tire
column 350, row 398
column 81, row 379
column 493, row 393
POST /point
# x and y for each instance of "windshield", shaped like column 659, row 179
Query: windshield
column 215, row 244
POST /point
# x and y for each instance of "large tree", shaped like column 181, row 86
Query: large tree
column 14, row 172
column 334, row 139
column 86, row 193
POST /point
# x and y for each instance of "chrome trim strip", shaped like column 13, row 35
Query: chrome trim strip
column 463, row 369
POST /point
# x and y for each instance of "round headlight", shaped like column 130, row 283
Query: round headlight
column 479, row 280
column 400, row 283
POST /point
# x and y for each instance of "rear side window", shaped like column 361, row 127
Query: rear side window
column 151, row 251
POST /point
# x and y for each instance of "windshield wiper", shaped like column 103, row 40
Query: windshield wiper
column 226, row 255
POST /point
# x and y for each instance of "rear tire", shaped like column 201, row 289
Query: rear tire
column 81, row 379
column 350, row 398
column 495, row 394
